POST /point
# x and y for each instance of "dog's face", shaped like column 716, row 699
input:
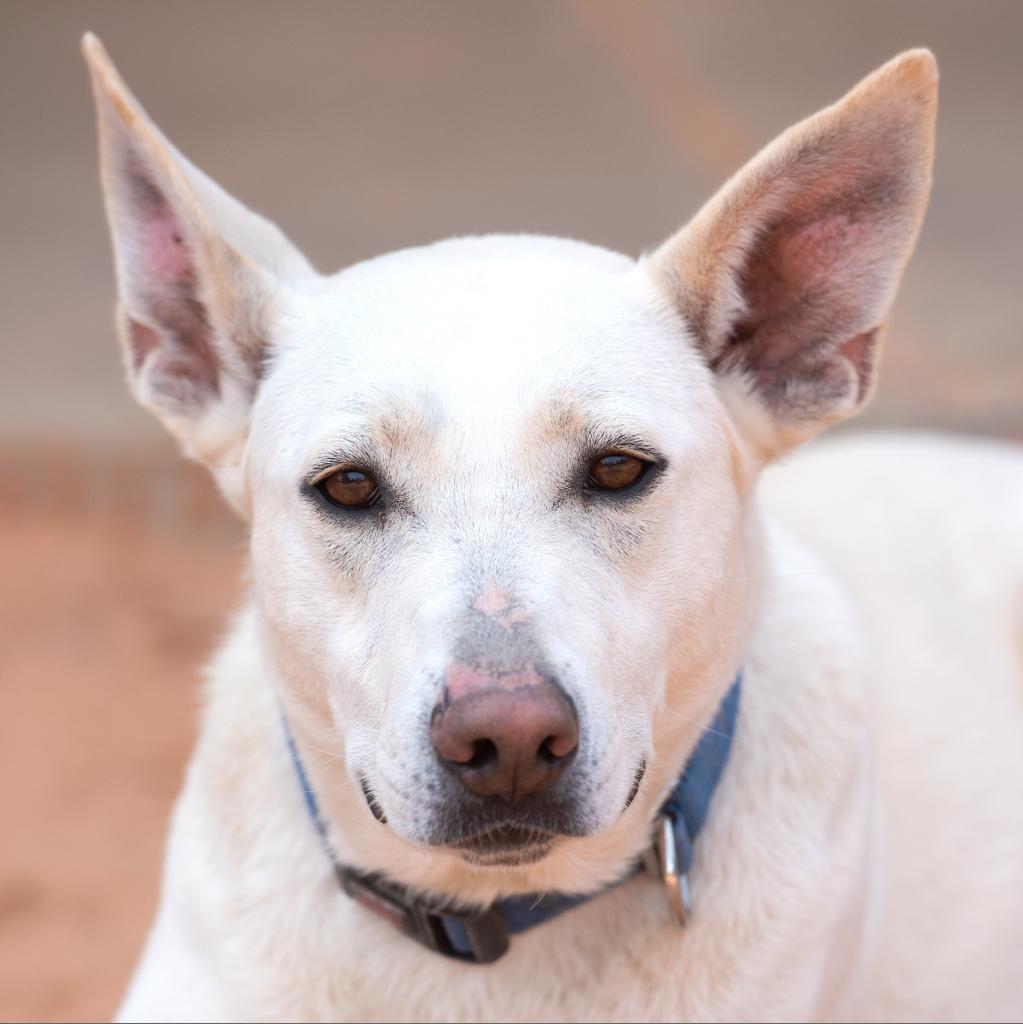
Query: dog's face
column 541, row 498
column 499, row 487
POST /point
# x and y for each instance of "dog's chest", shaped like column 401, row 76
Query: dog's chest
column 616, row 958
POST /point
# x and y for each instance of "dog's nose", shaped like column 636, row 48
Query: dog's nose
column 507, row 735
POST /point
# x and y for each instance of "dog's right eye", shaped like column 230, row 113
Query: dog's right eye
column 616, row 471
column 349, row 488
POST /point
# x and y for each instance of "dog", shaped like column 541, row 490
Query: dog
column 562, row 692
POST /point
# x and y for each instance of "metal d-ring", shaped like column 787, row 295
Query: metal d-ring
column 676, row 881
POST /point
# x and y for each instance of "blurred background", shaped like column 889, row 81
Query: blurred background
column 361, row 128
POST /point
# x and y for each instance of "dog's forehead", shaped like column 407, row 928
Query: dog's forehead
column 515, row 333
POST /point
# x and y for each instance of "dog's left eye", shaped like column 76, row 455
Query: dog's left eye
column 349, row 488
column 616, row 471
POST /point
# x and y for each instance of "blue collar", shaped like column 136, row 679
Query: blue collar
column 482, row 936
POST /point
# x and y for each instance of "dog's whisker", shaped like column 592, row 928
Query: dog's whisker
column 754, row 577
column 332, row 756
column 689, row 718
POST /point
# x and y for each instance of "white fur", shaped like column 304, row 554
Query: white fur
column 863, row 858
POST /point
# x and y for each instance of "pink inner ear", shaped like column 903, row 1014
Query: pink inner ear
column 829, row 247
column 163, row 249
column 141, row 340
column 858, row 349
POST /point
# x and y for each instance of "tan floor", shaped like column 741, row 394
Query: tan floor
column 108, row 605
column 364, row 127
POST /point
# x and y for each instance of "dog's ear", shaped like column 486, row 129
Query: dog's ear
column 786, row 275
column 199, row 277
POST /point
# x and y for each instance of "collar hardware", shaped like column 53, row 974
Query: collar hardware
column 664, row 861
column 478, row 937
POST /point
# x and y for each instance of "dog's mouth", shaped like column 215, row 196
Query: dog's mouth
column 506, row 846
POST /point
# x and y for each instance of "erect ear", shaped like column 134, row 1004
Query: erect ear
column 199, row 277
column 786, row 275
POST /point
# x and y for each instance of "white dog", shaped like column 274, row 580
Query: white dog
column 522, row 617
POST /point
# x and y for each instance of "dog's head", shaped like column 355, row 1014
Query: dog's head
column 499, row 487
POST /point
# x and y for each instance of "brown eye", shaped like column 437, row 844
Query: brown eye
column 349, row 488
column 616, row 471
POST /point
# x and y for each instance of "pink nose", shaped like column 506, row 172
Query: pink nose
column 507, row 735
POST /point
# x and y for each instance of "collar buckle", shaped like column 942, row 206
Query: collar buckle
column 478, row 937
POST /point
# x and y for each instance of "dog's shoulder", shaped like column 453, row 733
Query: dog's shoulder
column 923, row 531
